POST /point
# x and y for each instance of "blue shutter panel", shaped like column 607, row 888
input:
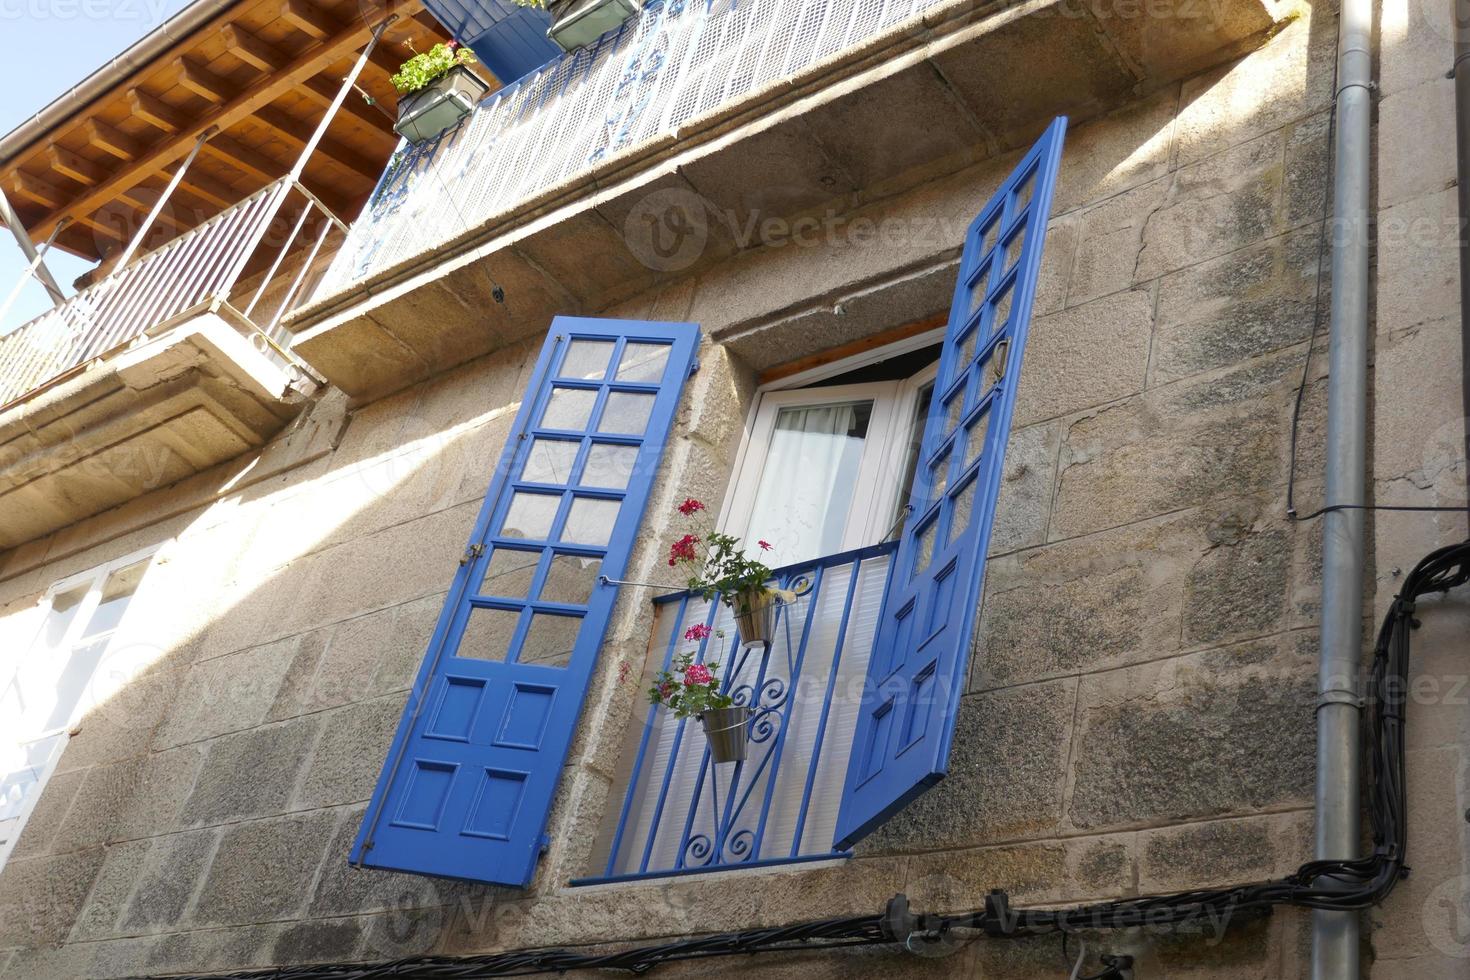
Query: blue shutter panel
column 469, row 779
column 918, row 667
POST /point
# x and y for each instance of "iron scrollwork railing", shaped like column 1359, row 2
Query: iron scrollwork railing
column 684, row 814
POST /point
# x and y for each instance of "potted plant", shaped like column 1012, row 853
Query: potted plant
column 693, row 690
column 436, row 90
column 577, row 23
column 718, row 565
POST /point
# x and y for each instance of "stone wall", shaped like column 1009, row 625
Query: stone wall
column 1140, row 710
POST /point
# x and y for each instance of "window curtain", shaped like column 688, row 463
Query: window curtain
column 807, row 483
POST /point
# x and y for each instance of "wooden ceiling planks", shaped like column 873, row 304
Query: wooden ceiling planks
column 261, row 74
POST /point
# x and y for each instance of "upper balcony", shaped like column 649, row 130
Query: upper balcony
column 734, row 112
column 205, row 170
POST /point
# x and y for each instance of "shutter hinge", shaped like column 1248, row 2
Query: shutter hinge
column 693, row 367
column 472, row 552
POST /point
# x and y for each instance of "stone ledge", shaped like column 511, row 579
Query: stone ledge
column 171, row 407
column 984, row 83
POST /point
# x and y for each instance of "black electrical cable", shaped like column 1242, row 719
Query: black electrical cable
column 1337, row 885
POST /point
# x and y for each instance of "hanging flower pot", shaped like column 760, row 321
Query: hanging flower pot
column 755, row 614
column 724, row 729
column 578, row 23
column 437, row 91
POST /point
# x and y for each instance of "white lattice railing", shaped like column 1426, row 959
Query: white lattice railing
column 191, row 272
column 677, row 61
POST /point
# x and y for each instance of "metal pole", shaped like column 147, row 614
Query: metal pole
column 347, row 84
column 1335, row 934
column 30, row 270
column 23, row 239
column 1461, row 73
column 157, row 208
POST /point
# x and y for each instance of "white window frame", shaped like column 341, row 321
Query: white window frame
column 875, row 501
column 95, row 579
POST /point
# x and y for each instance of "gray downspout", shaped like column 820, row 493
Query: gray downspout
column 1335, row 934
column 1461, row 73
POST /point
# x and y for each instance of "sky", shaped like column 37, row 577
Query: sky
column 46, row 47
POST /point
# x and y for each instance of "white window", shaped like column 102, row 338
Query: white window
column 825, row 469
column 828, row 459
column 53, row 680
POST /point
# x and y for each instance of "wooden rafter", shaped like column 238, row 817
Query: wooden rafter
column 237, row 107
column 85, row 172
column 299, row 133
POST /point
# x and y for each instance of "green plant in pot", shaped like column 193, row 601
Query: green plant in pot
column 692, row 690
column 718, row 565
column 436, row 90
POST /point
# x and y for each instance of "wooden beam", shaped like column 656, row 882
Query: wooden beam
column 862, row 346
column 110, row 140
column 308, row 19
column 48, row 195
column 303, row 66
column 202, row 82
column 322, row 93
column 251, row 49
column 68, row 164
column 244, row 158
column 155, row 112
column 300, row 133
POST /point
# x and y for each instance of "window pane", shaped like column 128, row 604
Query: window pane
column 571, row 579
column 487, row 634
column 550, row 461
column 587, row 359
column 590, row 521
column 926, row 547
column 911, row 451
column 59, row 619
column 1002, row 311
column 73, row 683
column 626, row 413
column 116, row 592
column 975, row 439
column 568, row 408
column 643, row 362
column 550, row 640
column 508, row 573
column 609, row 466
column 530, row 516
column 808, row 478
column 964, row 507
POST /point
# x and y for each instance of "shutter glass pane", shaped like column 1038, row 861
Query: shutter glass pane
column 469, row 780
column 919, row 667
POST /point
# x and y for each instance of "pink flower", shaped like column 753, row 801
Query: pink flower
column 666, row 689
column 765, row 545
column 697, row 632
column 697, row 674
column 690, row 506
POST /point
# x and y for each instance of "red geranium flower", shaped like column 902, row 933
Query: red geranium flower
column 696, row 675
column 690, row 506
column 697, row 632
column 683, row 549
column 765, row 545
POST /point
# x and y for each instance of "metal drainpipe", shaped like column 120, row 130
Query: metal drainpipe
column 1462, row 166
column 1335, row 934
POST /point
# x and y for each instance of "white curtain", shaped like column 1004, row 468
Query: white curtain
column 808, row 480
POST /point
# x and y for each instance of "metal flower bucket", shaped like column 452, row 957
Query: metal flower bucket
column 724, row 728
column 755, row 614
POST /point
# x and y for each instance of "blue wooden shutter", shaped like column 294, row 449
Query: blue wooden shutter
column 917, row 671
column 472, row 770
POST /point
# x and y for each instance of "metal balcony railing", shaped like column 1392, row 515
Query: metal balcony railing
column 683, row 814
column 200, row 270
column 674, row 63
